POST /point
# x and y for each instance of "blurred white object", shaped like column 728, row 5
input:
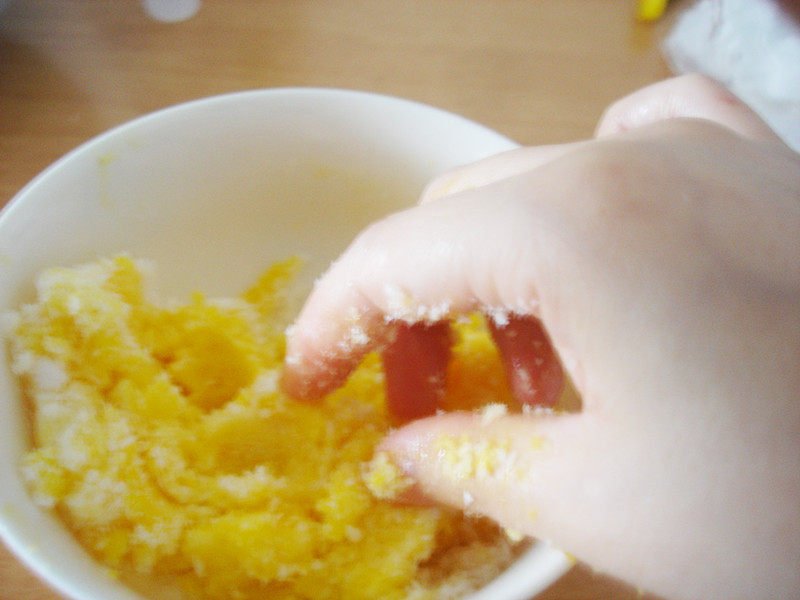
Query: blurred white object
column 750, row 46
column 171, row 11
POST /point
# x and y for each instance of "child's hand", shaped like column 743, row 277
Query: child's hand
column 663, row 261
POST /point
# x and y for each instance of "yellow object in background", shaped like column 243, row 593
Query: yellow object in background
column 650, row 10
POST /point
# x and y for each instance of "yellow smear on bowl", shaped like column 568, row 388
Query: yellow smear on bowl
column 162, row 439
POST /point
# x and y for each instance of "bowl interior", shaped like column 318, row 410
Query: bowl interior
column 213, row 191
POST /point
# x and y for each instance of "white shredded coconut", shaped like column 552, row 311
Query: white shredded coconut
column 48, row 375
column 229, row 303
column 493, row 411
column 285, row 571
column 399, row 304
column 9, row 321
column 439, row 312
column 120, row 436
column 23, row 363
column 462, row 458
column 353, row 533
column 52, row 408
column 72, row 451
column 498, row 315
column 358, row 337
column 241, row 486
column 266, row 383
column 513, row 535
column 524, row 382
column 32, row 473
column 467, row 499
column 98, row 499
column 74, row 304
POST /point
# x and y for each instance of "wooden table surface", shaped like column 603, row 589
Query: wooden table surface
column 538, row 71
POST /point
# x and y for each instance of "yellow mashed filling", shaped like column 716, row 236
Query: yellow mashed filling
column 162, row 439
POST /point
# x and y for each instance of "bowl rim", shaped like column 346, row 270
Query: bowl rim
column 120, row 129
column 542, row 558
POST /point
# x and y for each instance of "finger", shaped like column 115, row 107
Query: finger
column 688, row 96
column 494, row 168
column 415, row 364
column 530, row 474
column 323, row 345
column 570, row 480
column 420, row 265
column 531, row 365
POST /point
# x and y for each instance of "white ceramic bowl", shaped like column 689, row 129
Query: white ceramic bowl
column 213, row 191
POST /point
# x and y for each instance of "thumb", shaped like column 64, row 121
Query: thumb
column 579, row 481
column 535, row 474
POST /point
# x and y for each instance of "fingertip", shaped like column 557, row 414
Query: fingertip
column 414, row 496
column 457, row 459
column 330, row 337
column 693, row 95
column 386, row 480
column 318, row 358
column 409, row 450
column 310, row 382
column 443, row 185
column 523, row 471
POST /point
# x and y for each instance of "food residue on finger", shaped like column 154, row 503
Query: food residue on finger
column 163, row 441
column 384, row 478
column 463, row 458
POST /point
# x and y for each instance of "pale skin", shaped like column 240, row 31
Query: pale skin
column 662, row 260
